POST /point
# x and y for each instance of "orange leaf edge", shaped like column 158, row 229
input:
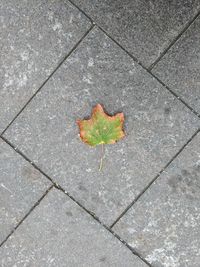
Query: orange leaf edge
column 100, row 108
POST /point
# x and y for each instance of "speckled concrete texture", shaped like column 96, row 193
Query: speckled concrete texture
column 21, row 186
column 180, row 67
column 164, row 224
column 144, row 28
column 34, row 37
column 58, row 59
column 65, row 236
column 157, row 125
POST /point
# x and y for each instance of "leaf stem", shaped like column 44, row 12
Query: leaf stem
column 102, row 157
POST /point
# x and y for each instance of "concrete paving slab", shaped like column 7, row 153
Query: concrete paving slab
column 163, row 225
column 157, row 126
column 34, row 36
column 21, row 186
column 144, row 28
column 180, row 67
column 59, row 233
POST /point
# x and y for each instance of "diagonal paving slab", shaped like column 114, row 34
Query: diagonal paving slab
column 20, row 188
column 180, row 67
column 59, row 233
column 144, row 28
column 163, row 225
column 157, row 126
column 34, row 36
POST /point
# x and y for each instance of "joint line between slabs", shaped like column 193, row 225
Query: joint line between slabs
column 103, row 225
column 138, row 62
column 154, row 76
column 27, row 214
column 52, row 73
column 188, row 24
column 83, row 12
column 135, row 59
column 57, row 186
column 152, row 181
column 174, row 41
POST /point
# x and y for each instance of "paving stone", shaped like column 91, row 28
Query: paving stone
column 180, row 67
column 59, row 233
column 35, row 36
column 20, row 188
column 157, row 126
column 144, row 28
column 163, row 225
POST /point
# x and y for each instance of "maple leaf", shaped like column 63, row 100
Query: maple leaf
column 101, row 128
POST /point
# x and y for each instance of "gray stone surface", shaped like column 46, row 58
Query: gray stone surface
column 34, row 37
column 180, row 67
column 60, row 233
column 157, row 126
column 164, row 224
column 144, row 28
column 20, row 188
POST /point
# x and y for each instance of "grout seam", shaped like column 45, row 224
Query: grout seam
column 139, row 63
column 175, row 95
column 154, row 76
column 158, row 175
column 175, row 40
column 57, row 186
column 27, row 214
column 104, row 225
column 155, row 178
column 52, row 73
column 82, row 11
